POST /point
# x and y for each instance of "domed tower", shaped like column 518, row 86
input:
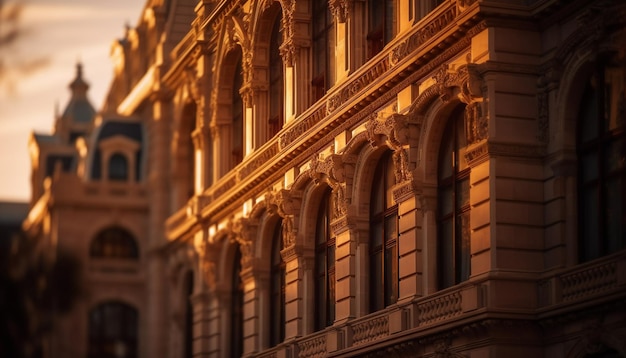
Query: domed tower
column 58, row 149
column 78, row 116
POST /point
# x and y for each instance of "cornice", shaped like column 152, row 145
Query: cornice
column 351, row 103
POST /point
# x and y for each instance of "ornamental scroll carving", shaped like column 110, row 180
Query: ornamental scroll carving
column 339, row 8
column 242, row 232
column 396, row 131
column 288, row 47
column 287, row 206
column 470, row 86
column 207, row 253
column 334, row 170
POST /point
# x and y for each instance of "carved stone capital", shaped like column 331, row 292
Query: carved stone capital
column 243, row 232
column 339, row 8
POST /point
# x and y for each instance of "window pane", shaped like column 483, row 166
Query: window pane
column 446, row 202
column 391, row 275
column 390, row 181
column 462, row 252
column 589, row 167
column 462, row 194
column 615, row 156
column 446, row 252
column 589, row 210
column 445, row 158
column 377, row 204
column 118, row 167
column 613, row 97
column 614, row 215
column 391, row 228
column 588, row 114
column 376, row 281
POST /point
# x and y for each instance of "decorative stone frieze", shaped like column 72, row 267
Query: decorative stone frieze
column 357, row 85
column 420, row 37
column 302, row 126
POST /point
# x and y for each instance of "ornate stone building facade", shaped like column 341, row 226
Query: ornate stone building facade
column 360, row 178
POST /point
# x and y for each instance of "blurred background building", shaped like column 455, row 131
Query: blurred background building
column 303, row 178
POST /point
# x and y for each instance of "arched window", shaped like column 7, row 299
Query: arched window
column 118, row 167
column 383, row 237
column 236, row 328
column 114, row 242
column 188, row 315
column 188, row 150
column 276, row 95
column 381, row 24
column 237, row 132
column 323, row 47
column 324, row 265
column 453, row 205
column 277, row 289
column 601, row 148
column 113, row 331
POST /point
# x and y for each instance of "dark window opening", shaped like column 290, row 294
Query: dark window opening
column 324, row 266
column 383, row 237
column 118, row 167
column 114, row 243
column 453, row 205
column 236, row 328
column 113, row 331
column 323, row 46
column 276, row 81
column 601, row 151
column 277, row 289
column 237, row 111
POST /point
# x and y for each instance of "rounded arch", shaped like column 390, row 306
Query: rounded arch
column 435, row 120
column 363, row 177
column 114, row 242
column 311, row 199
column 578, row 52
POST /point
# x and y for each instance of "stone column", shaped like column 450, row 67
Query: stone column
column 156, row 308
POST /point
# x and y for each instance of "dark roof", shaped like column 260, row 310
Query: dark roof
column 79, row 110
column 113, row 127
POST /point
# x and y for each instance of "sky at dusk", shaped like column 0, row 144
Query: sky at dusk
column 56, row 34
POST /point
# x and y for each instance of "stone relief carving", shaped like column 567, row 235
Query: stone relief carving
column 242, row 232
column 287, row 206
column 334, row 170
column 288, row 47
column 475, row 123
column 394, row 131
column 470, row 83
column 339, row 8
column 206, row 252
